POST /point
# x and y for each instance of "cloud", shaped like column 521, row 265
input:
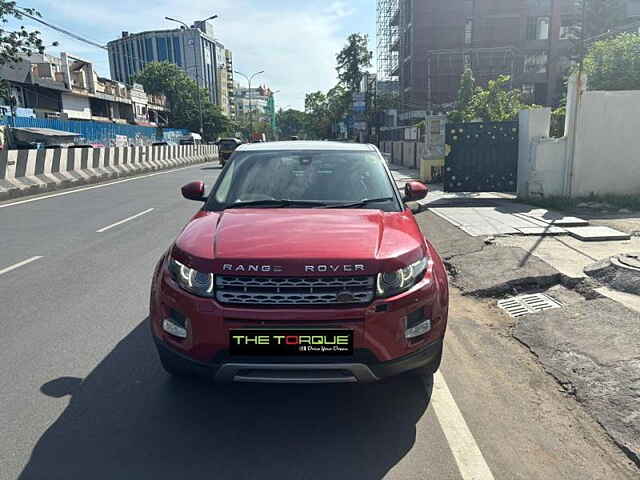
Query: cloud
column 340, row 9
column 294, row 42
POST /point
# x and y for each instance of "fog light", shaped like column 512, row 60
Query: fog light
column 418, row 330
column 172, row 328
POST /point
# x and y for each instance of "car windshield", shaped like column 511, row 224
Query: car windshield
column 304, row 179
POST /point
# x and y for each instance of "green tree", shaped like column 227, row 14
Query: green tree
column 291, row 122
column 182, row 94
column 466, row 92
column 496, row 103
column 338, row 102
column 352, row 60
column 318, row 125
column 614, row 64
column 17, row 43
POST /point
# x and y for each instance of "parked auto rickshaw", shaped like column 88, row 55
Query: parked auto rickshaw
column 226, row 146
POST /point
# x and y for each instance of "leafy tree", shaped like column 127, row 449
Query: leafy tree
column 291, row 122
column 338, row 102
column 465, row 96
column 16, row 43
column 614, row 64
column 496, row 103
column 316, row 107
column 182, row 95
column 352, row 60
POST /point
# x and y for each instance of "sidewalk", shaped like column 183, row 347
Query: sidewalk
column 495, row 247
column 567, row 243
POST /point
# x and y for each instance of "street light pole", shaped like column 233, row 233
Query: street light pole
column 197, row 67
column 249, row 79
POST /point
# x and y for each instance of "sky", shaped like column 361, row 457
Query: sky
column 294, row 41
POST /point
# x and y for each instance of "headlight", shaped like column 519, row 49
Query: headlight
column 193, row 281
column 393, row 283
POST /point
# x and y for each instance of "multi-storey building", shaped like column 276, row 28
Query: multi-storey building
column 225, row 85
column 68, row 87
column 428, row 43
column 195, row 50
column 256, row 100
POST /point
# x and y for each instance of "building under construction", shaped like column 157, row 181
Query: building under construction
column 426, row 45
column 388, row 39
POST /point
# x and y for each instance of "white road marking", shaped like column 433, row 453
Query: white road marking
column 18, row 265
column 102, row 185
column 466, row 452
column 133, row 217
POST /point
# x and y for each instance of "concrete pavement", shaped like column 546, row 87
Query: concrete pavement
column 84, row 396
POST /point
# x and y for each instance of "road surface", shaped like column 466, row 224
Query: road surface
column 83, row 395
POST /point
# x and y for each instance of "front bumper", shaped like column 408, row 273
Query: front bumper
column 278, row 372
column 380, row 346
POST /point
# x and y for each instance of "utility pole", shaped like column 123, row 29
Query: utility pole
column 249, row 79
column 197, row 66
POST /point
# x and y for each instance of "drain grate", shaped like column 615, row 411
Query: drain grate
column 525, row 304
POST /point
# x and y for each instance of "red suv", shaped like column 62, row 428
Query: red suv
column 304, row 265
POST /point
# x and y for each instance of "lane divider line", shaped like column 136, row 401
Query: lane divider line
column 19, row 264
column 467, row 454
column 132, row 217
column 101, row 185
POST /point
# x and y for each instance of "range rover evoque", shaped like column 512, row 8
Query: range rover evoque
column 304, row 265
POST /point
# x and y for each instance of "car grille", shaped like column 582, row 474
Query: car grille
column 261, row 291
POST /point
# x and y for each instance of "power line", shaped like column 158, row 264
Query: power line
column 62, row 30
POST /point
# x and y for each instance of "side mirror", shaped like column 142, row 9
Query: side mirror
column 194, row 191
column 414, row 191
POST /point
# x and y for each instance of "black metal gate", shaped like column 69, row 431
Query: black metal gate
column 483, row 157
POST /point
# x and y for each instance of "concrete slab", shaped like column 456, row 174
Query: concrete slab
column 592, row 348
column 483, row 221
column 569, row 255
column 555, row 218
column 541, row 231
column 597, row 234
column 495, row 270
column 630, row 224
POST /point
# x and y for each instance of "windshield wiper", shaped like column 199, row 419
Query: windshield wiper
column 360, row 203
column 275, row 203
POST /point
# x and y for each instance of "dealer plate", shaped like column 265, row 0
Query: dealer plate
column 291, row 342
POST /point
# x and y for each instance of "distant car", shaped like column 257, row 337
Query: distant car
column 226, row 147
column 159, row 144
column 80, row 146
column 294, row 137
column 191, row 139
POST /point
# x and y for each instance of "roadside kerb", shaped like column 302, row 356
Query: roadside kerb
column 29, row 172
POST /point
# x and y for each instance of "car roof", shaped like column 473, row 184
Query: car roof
column 305, row 145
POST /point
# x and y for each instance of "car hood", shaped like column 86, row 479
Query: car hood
column 300, row 241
